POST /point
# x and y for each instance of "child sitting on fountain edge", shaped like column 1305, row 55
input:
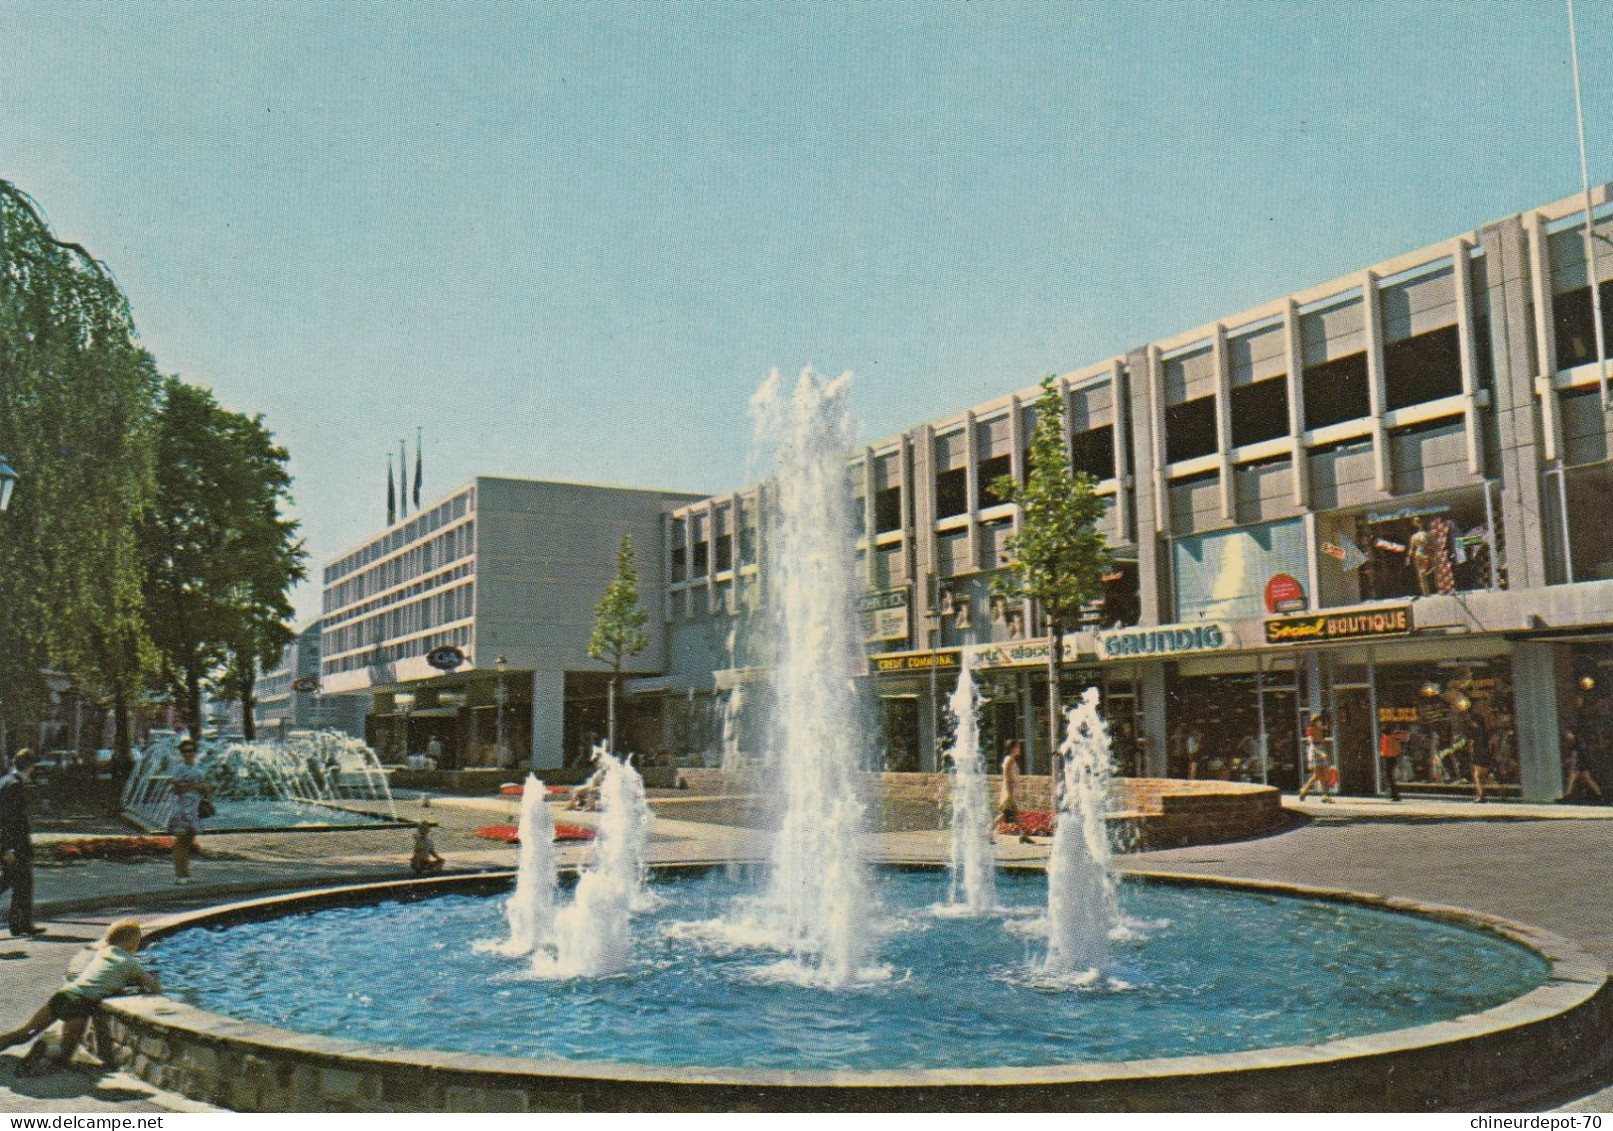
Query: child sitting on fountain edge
column 111, row 969
column 426, row 860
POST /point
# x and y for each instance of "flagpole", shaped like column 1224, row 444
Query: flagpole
column 1590, row 219
column 403, row 484
column 419, row 472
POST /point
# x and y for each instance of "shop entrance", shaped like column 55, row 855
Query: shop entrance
column 1354, row 741
column 899, row 724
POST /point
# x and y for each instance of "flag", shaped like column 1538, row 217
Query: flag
column 419, row 474
column 403, row 484
column 391, row 499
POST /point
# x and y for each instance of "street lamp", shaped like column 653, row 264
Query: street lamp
column 8, row 480
column 500, row 697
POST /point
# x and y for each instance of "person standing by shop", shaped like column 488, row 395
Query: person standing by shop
column 1318, row 758
column 1389, row 749
column 16, row 845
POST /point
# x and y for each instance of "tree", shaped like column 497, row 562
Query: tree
column 219, row 558
column 78, row 400
column 619, row 622
column 268, row 559
column 1058, row 555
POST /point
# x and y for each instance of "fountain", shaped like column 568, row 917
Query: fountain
column 593, row 935
column 673, row 994
column 974, row 857
column 312, row 779
column 530, row 910
column 1082, row 905
column 817, row 902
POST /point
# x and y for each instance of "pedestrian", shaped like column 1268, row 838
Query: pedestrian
column 17, row 846
column 1193, row 744
column 1480, row 758
column 1317, row 758
column 1389, row 746
column 190, row 790
column 111, row 969
column 1008, row 797
column 434, row 753
column 1575, row 772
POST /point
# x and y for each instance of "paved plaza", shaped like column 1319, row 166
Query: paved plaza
column 1542, row 865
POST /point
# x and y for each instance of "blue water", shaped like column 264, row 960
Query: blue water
column 274, row 814
column 1207, row 971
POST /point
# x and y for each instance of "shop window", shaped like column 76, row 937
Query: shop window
column 1422, row 368
column 952, row 492
column 1576, row 326
column 1410, row 551
column 1190, row 430
column 989, row 471
column 1260, row 411
column 887, row 510
column 725, row 552
column 1336, row 391
column 1442, row 719
column 1091, row 452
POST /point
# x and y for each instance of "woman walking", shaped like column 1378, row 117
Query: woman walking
column 190, row 790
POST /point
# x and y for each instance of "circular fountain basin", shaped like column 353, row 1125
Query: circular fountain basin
column 1223, row 997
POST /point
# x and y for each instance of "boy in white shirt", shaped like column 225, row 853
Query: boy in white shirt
column 111, row 969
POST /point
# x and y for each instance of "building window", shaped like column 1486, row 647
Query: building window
column 988, row 473
column 725, row 552
column 1336, row 391
column 1576, row 328
column 1091, row 452
column 702, row 558
column 1259, row 411
column 747, row 545
column 1427, row 367
column 952, row 492
column 1190, row 430
column 887, row 510
column 680, row 564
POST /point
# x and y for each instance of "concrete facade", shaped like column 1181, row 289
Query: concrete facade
column 500, row 570
column 1447, row 393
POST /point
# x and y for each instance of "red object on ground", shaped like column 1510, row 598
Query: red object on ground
column 518, row 789
column 113, row 847
column 1032, row 822
column 508, row 833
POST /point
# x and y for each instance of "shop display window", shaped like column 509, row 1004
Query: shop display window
column 1587, row 739
column 1446, row 718
column 1418, row 549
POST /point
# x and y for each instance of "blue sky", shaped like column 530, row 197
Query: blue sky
column 571, row 239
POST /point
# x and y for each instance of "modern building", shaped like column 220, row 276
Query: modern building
column 1382, row 497
column 288, row 697
column 469, row 622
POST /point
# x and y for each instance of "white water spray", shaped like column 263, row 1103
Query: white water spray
column 974, row 858
column 530, row 910
column 593, row 935
column 818, row 896
column 1082, row 904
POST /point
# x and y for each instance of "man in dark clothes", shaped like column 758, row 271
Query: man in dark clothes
column 16, row 845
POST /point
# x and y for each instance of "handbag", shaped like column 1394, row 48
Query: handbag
column 206, row 809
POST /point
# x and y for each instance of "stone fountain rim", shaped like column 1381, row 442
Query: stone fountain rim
column 1575, row 978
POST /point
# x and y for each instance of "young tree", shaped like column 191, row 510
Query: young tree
column 619, row 622
column 1059, row 556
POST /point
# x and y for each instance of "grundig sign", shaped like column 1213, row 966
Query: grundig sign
column 1323, row 627
column 1165, row 640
